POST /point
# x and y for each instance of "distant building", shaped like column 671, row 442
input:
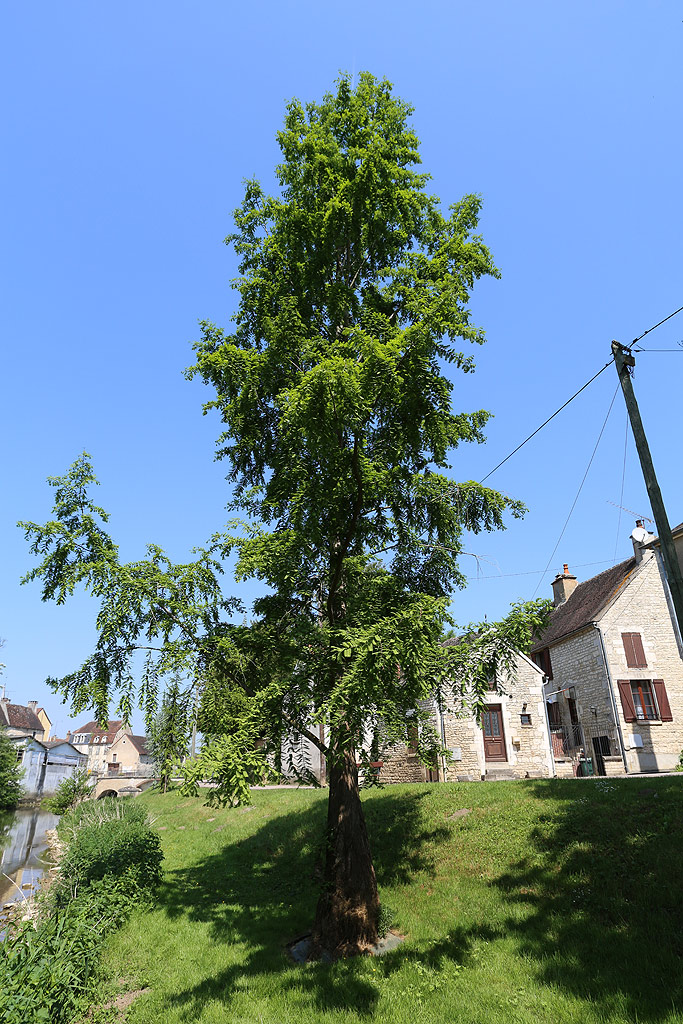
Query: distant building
column 45, row 764
column 129, row 753
column 24, row 720
column 94, row 741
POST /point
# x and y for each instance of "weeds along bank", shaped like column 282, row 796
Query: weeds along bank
column 111, row 863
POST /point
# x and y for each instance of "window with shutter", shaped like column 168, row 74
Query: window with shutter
column 633, row 649
column 627, row 705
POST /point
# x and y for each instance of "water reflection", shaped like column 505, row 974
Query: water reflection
column 23, row 858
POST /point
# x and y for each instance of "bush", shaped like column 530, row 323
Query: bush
column 111, row 840
column 47, row 972
column 69, row 792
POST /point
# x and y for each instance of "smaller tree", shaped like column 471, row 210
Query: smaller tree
column 69, row 792
column 170, row 733
column 10, row 773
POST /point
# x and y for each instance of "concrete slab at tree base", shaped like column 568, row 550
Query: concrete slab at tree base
column 299, row 949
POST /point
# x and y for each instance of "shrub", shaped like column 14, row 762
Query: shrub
column 111, row 838
column 69, row 792
column 47, row 972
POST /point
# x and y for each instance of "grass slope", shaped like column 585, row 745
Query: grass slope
column 555, row 901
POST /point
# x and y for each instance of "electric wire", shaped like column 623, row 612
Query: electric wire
column 590, row 463
column 546, row 422
column 536, row 572
column 650, row 329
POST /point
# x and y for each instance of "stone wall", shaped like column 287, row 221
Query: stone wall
column 527, row 745
column 643, row 608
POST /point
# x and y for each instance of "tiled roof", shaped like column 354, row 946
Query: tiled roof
column 96, row 732
column 140, row 744
column 19, row 717
column 585, row 603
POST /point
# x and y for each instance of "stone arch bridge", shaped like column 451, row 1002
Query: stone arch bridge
column 122, row 784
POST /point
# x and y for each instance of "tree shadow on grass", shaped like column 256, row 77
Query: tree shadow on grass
column 259, row 893
column 602, row 895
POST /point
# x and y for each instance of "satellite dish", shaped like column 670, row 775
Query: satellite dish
column 639, row 534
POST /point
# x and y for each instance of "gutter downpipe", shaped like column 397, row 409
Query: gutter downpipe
column 547, row 726
column 613, row 702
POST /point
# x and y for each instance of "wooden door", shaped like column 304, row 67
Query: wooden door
column 494, row 737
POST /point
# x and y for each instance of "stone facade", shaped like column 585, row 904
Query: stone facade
column 526, row 743
column 589, row 717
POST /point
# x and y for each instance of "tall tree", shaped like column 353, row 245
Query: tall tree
column 338, row 429
column 171, row 730
column 335, row 391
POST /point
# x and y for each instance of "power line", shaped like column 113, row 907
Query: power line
column 590, row 463
column 675, row 312
column 536, row 572
column 545, row 424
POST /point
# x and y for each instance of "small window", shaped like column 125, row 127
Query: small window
column 525, row 718
column 20, row 755
column 644, row 700
column 113, row 757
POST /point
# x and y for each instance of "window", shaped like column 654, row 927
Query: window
column 633, row 649
column 542, row 659
column 113, row 757
column 525, row 718
column 644, row 700
column 20, row 755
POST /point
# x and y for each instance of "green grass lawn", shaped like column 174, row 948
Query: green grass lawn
column 551, row 901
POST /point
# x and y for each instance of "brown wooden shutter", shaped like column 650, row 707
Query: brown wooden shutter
column 662, row 700
column 633, row 649
column 627, row 704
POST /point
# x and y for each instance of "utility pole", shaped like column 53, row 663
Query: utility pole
column 624, row 361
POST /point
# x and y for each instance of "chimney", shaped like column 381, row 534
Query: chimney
column 639, row 538
column 33, row 705
column 564, row 585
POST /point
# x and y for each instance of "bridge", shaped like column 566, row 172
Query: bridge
column 122, row 784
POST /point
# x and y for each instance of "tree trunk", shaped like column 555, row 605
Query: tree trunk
column 348, row 908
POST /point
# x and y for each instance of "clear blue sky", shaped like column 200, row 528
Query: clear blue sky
column 128, row 130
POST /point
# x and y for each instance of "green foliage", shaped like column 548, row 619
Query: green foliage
column 171, row 730
column 48, row 971
column 108, row 842
column 69, row 792
column 10, row 773
column 335, row 390
column 230, row 764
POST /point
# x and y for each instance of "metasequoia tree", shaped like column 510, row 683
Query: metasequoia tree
column 334, row 387
column 353, row 294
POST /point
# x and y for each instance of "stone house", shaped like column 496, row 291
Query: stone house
column 510, row 740
column 24, row 720
column 129, row 753
column 612, row 659
column 94, row 741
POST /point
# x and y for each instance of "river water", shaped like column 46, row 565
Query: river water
column 23, row 853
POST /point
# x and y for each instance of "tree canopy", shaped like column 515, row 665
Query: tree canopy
column 335, row 388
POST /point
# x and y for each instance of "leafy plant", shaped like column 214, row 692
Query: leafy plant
column 69, row 792
column 10, row 773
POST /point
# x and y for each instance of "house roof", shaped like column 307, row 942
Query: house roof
column 51, row 744
column 140, row 744
column 585, row 603
column 19, row 717
column 94, row 729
